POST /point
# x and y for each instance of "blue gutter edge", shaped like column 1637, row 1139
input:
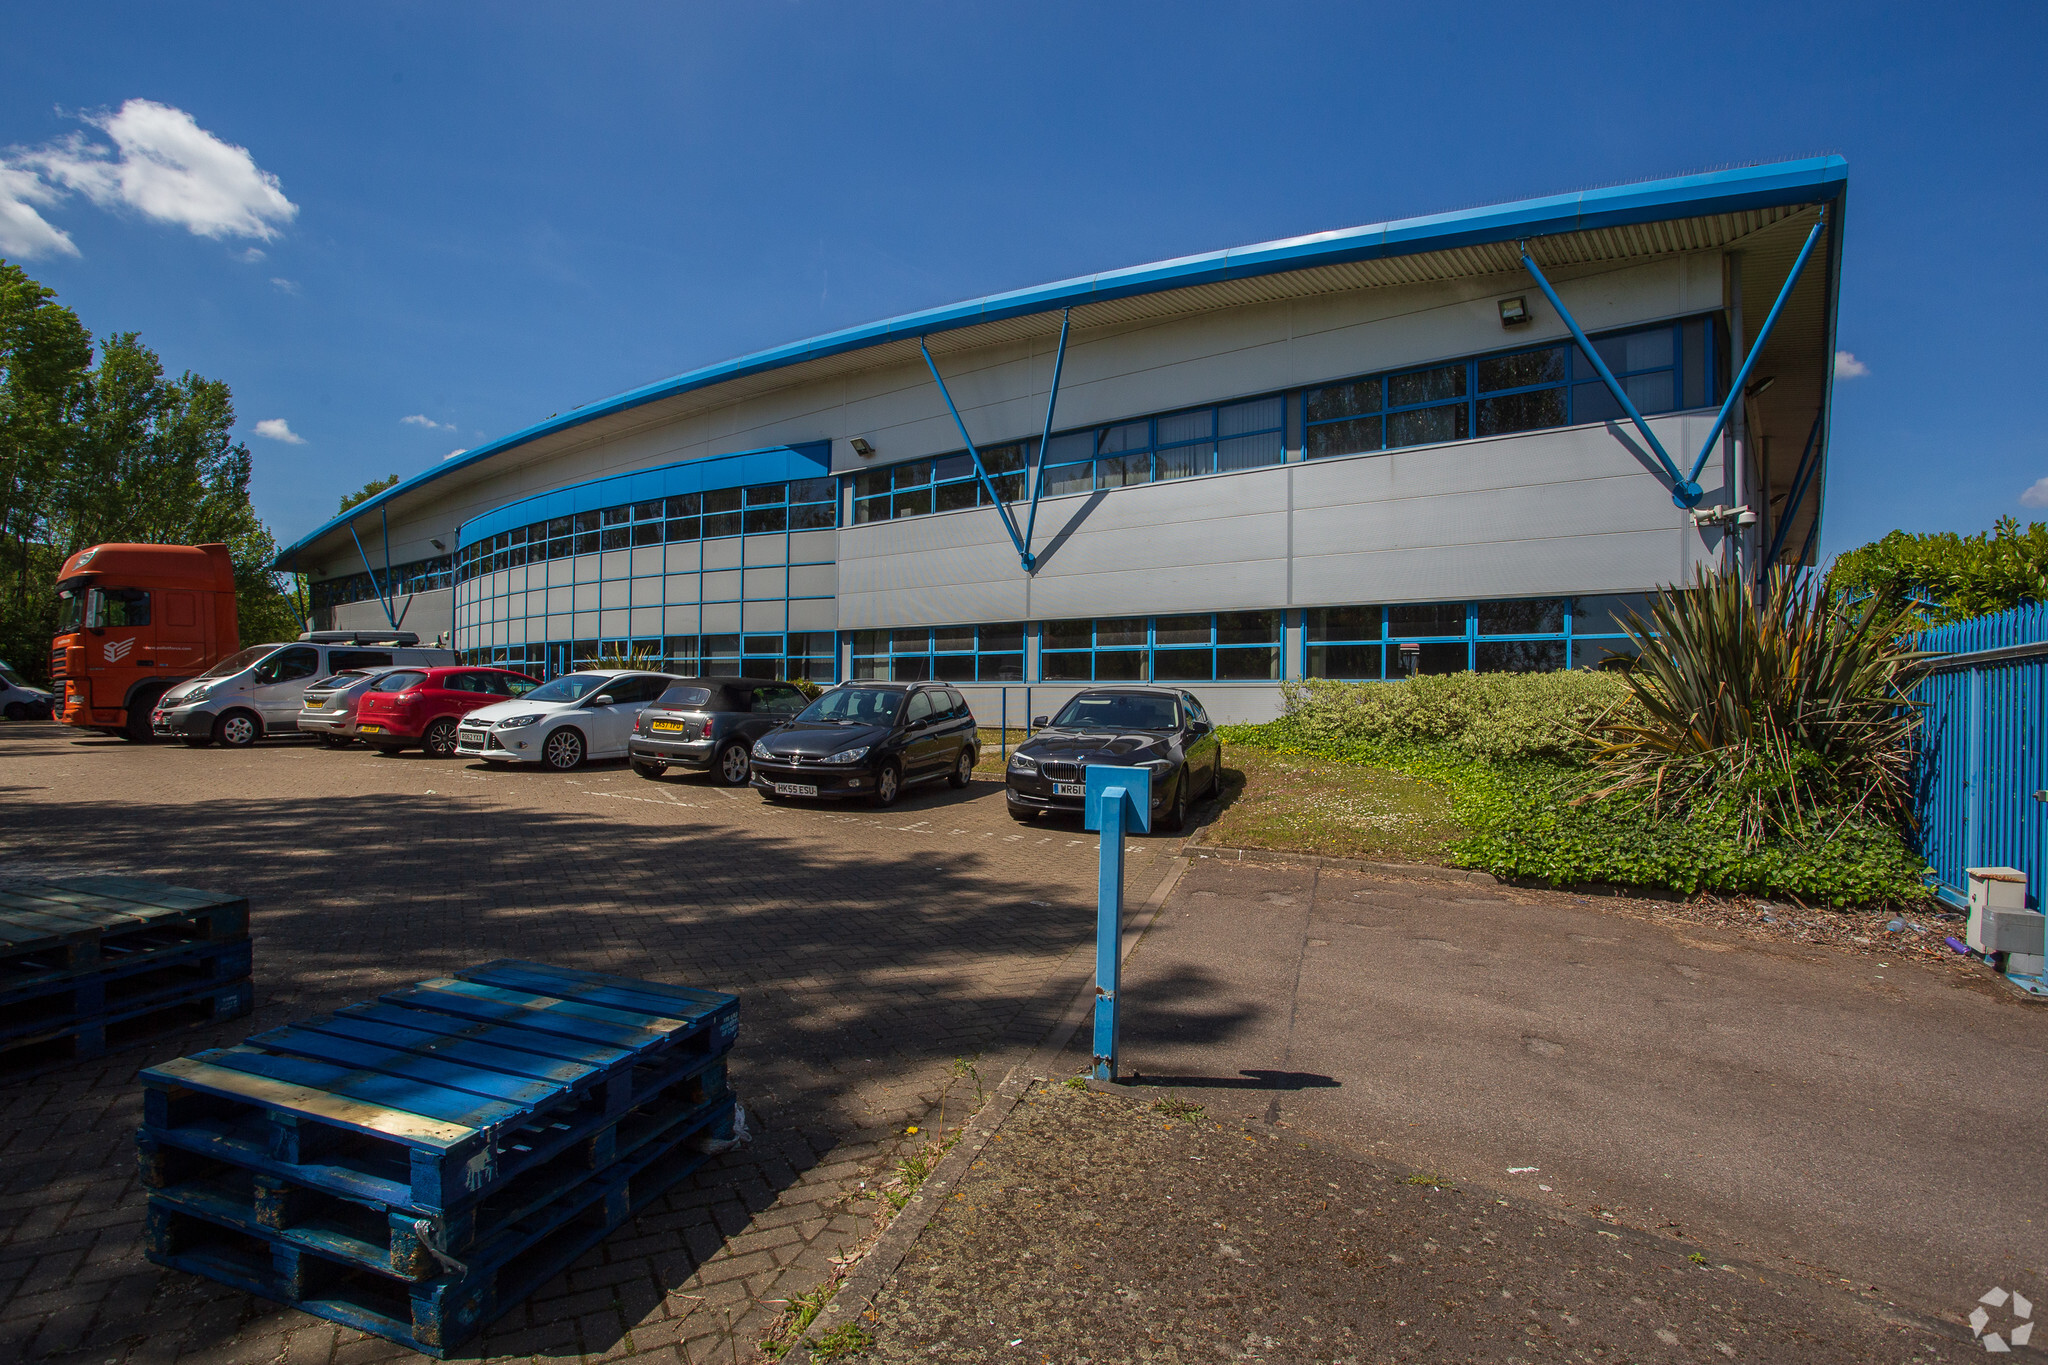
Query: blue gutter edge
column 1776, row 185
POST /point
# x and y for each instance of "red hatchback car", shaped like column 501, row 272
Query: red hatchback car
column 422, row 706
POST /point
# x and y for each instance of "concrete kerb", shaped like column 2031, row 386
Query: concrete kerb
column 872, row 1272
column 1268, row 855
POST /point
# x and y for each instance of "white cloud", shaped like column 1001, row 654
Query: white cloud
column 253, row 256
column 2036, row 494
column 1847, row 366
column 420, row 419
column 289, row 286
column 166, row 167
column 24, row 232
column 453, row 453
column 277, row 429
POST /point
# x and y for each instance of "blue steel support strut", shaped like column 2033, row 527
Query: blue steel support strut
column 1684, row 491
column 1803, row 475
column 1059, row 362
column 980, row 471
column 1756, row 347
column 382, row 601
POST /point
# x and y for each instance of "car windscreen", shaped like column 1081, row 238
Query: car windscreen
column 687, row 696
column 398, row 680
column 235, row 663
column 861, row 705
column 574, row 687
column 10, row 677
column 337, row 681
column 1116, row 713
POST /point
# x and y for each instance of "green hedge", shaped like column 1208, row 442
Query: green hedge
column 1498, row 716
column 1526, row 821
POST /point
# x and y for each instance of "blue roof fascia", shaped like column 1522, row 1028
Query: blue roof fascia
column 774, row 464
column 1806, row 181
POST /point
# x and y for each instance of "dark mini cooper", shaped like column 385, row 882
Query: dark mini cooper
column 709, row 724
column 869, row 739
column 1160, row 728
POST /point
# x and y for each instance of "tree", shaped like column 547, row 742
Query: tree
column 112, row 451
column 1948, row 577
column 370, row 490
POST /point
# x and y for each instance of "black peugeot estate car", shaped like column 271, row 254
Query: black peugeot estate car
column 869, row 739
column 709, row 724
column 1161, row 728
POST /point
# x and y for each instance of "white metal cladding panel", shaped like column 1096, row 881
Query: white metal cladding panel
column 646, row 621
column 646, row 592
column 558, row 627
column 1621, row 561
column 763, row 616
column 684, row 558
column 647, row 560
column 723, row 553
column 761, row 584
column 586, row 568
column 680, row 587
column 722, row 586
column 615, row 592
column 812, row 547
column 813, row 580
column 721, row 618
column 766, row 550
column 614, row 624
column 819, row 613
column 586, row 598
column 681, row 620
column 615, row 564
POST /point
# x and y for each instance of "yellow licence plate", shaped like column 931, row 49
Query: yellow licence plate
column 315, row 703
column 664, row 725
column 370, row 729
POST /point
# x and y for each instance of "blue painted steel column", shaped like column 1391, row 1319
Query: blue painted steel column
column 1800, row 478
column 1117, row 799
column 1684, row 491
column 1973, row 775
column 381, row 600
column 980, row 470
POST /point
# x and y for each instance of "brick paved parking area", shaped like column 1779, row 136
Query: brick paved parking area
column 870, row 950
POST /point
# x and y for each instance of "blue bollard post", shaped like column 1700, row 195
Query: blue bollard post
column 1117, row 799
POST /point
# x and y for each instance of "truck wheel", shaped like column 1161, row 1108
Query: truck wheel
column 237, row 730
column 137, row 729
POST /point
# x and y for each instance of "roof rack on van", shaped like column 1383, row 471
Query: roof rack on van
column 359, row 637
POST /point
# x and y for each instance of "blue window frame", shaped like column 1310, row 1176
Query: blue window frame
column 1230, row 646
column 963, row 654
column 1518, row 635
column 1669, row 367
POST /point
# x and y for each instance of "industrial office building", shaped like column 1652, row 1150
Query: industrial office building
column 1460, row 441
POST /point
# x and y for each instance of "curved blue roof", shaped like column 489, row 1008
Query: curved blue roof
column 1774, row 185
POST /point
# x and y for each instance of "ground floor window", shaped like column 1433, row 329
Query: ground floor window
column 1231, row 646
column 809, row 655
column 1517, row 635
column 949, row 653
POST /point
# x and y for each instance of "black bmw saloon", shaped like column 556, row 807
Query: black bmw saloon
column 1160, row 728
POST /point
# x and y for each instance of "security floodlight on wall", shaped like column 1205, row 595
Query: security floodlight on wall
column 1760, row 385
column 861, row 447
column 1514, row 312
column 437, row 545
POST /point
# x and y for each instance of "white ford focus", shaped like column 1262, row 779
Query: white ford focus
column 578, row 716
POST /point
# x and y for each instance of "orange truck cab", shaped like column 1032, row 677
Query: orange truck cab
column 133, row 622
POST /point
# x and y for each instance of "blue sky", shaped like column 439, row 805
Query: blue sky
column 476, row 215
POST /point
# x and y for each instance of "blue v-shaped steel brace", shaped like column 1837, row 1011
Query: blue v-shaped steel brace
column 980, row 471
column 382, row 600
column 1685, row 488
column 1059, row 362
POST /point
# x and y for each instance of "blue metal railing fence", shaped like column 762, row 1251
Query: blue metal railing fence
column 1983, row 755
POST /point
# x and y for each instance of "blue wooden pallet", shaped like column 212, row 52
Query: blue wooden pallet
column 399, row 1241
column 84, row 1039
column 436, row 1095
column 54, row 930
column 437, row 1315
column 137, row 982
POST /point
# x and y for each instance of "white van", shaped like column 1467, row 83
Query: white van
column 259, row 691
column 19, row 701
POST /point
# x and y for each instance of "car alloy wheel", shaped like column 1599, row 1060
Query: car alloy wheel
column 734, row 768
column 563, row 750
column 236, row 730
column 1177, row 815
column 963, row 771
column 439, row 739
column 888, row 784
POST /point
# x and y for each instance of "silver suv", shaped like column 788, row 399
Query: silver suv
column 261, row 690
column 328, row 708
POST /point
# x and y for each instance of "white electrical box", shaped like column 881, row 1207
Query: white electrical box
column 1995, row 889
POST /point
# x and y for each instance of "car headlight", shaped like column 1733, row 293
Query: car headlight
column 514, row 722
column 850, row 755
column 761, row 749
column 1020, row 764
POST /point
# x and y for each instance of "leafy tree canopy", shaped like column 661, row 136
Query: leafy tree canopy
column 112, row 450
column 370, row 490
column 1948, row 577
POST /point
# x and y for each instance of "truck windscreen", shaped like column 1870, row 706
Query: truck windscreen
column 70, row 609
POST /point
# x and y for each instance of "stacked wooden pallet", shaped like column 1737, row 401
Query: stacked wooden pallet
column 417, row 1165
column 88, row 964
